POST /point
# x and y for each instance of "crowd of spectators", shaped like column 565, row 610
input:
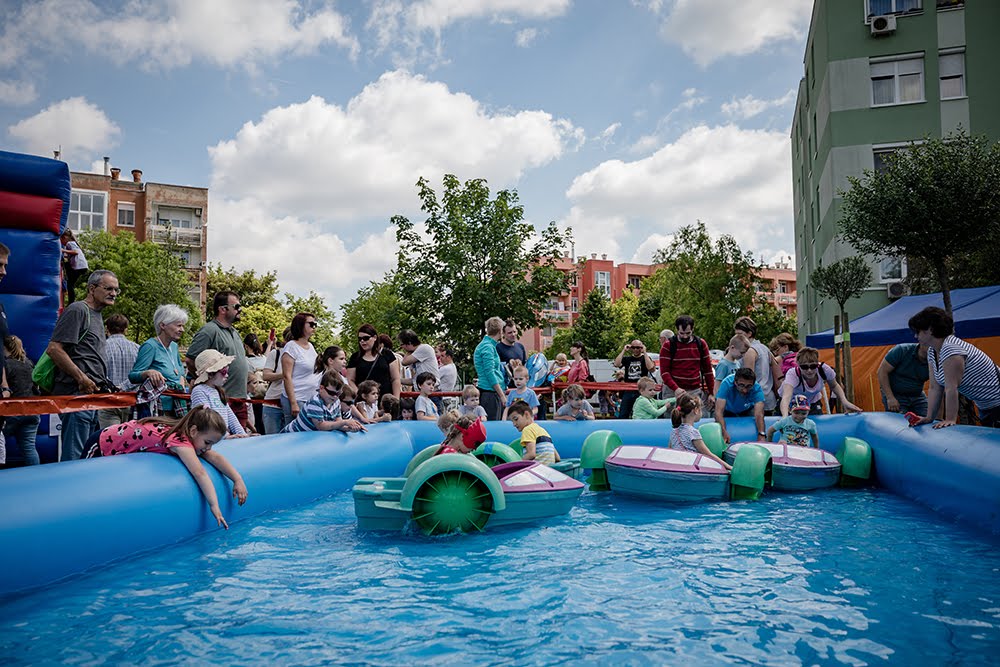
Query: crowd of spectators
column 297, row 387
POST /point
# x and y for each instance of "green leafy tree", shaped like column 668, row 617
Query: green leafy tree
column 714, row 281
column 378, row 304
column 561, row 341
column 842, row 281
column 474, row 257
column 326, row 330
column 770, row 322
column 594, row 327
column 149, row 274
column 938, row 201
column 623, row 315
column 260, row 318
column 253, row 289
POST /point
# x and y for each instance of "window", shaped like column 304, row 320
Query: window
column 576, row 304
column 879, row 158
column 782, row 287
column 948, row 4
column 633, row 282
column 184, row 256
column 879, row 7
column 897, row 81
column 176, row 218
column 126, row 215
column 602, row 281
column 892, row 269
column 951, row 69
column 87, row 210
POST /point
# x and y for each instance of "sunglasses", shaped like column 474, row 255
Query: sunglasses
column 742, row 385
column 312, row 324
column 808, row 367
column 347, row 402
column 334, row 392
column 238, row 306
column 364, row 338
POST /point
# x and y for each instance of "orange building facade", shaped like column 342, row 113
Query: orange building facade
column 779, row 288
column 155, row 212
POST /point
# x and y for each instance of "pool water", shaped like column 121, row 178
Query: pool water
column 836, row 577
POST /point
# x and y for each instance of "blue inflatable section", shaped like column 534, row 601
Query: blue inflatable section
column 30, row 293
column 61, row 520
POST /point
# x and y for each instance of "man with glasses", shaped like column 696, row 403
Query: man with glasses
column 740, row 395
column 221, row 335
column 635, row 364
column 79, row 353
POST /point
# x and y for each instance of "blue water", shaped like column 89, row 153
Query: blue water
column 838, row 577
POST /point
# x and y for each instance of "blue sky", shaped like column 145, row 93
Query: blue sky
column 310, row 121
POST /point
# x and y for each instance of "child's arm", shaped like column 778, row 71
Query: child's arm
column 359, row 415
column 815, row 437
column 223, row 465
column 770, row 433
column 190, row 460
column 340, row 425
column 505, row 409
column 588, row 412
column 703, row 449
column 383, row 417
column 424, row 417
column 529, row 450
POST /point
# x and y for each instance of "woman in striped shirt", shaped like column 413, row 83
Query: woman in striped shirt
column 958, row 367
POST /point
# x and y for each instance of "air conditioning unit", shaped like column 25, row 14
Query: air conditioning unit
column 896, row 290
column 883, row 25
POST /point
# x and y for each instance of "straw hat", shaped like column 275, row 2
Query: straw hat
column 210, row 361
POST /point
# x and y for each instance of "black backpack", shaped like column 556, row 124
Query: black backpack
column 673, row 347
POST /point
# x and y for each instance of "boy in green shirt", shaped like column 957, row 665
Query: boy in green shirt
column 647, row 406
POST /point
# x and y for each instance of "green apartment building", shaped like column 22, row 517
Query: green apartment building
column 878, row 74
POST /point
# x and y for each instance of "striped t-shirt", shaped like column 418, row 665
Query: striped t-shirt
column 980, row 382
column 312, row 413
column 545, row 450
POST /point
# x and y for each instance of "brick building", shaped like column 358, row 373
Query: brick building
column 778, row 288
column 151, row 211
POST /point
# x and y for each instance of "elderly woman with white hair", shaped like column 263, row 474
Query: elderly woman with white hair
column 159, row 360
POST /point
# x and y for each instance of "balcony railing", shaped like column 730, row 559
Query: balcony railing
column 185, row 237
column 560, row 316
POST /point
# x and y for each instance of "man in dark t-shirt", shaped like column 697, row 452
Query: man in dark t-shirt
column 511, row 352
column 77, row 350
column 636, row 364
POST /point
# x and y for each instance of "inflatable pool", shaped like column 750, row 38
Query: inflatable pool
column 59, row 520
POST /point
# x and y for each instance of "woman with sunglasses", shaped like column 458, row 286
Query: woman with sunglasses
column 374, row 362
column 298, row 360
column 808, row 379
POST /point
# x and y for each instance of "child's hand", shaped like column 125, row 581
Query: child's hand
column 217, row 513
column 240, row 492
column 727, row 466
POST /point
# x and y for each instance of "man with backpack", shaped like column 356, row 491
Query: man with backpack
column 686, row 365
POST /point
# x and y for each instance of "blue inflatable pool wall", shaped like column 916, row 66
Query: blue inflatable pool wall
column 60, row 520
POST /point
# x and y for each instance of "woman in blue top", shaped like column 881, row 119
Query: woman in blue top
column 158, row 359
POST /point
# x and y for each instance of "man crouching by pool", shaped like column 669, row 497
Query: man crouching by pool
column 535, row 440
column 740, row 395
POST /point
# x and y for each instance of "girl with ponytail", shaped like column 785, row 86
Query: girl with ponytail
column 685, row 436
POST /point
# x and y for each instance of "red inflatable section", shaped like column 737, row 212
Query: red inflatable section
column 30, row 212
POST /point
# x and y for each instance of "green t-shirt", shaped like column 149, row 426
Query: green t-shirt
column 226, row 340
column 909, row 373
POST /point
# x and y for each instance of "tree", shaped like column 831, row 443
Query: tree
column 473, row 258
column 378, row 304
column 623, row 315
column 260, row 318
column 937, row 201
column 253, row 289
column 563, row 338
column 150, row 276
column 594, row 326
column 770, row 322
column 842, row 281
column 714, row 281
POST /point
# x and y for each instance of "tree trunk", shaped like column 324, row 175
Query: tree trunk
column 837, row 348
column 848, row 367
column 942, row 274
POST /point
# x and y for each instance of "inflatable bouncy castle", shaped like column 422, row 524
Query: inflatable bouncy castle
column 34, row 205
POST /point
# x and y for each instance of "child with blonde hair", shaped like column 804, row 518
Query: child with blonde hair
column 521, row 393
column 470, row 403
column 738, row 345
column 647, row 406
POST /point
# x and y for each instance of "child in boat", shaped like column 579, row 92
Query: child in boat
column 470, row 403
column 647, row 406
column 535, row 440
column 462, row 433
column 575, row 405
column 189, row 439
column 324, row 412
column 797, row 428
column 685, row 436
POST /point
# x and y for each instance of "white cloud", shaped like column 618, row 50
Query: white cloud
column 16, row 93
column 223, row 32
column 644, row 253
column 689, row 100
column 595, row 232
column 77, row 127
column 750, row 106
column 403, row 28
column 317, row 159
column 707, row 30
column 525, row 37
column 736, row 181
column 306, row 255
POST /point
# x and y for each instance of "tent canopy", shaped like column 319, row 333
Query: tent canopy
column 976, row 312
